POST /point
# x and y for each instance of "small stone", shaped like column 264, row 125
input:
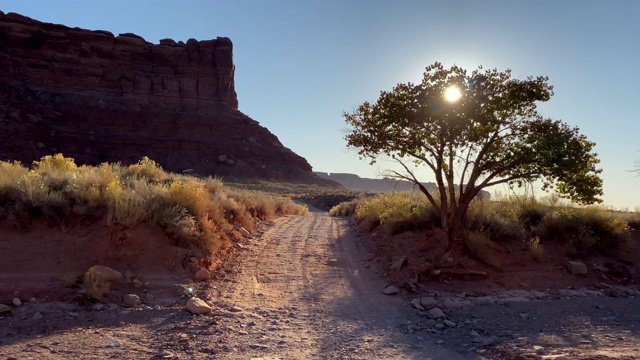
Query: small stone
column 416, row 304
column 131, row 300
column 615, row 293
column 73, row 314
column 166, row 354
column 137, row 283
column 245, row 233
column 437, row 313
column 474, row 333
column 37, row 316
column 428, row 303
column 390, row 290
column 4, row 308
column 486, row 340
column 449, row 323
column 577, row 267
column 524, row 316
column 202, row 275
column 399, row 263
column 32, row 299
column 235, row 309
column 439, row 326
column 98, row 306
column 538, row 349
column 440, row 342
column 198, row 306
column 259, row 346
column 16, row 302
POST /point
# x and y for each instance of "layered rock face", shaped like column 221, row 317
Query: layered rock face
column 98, row 97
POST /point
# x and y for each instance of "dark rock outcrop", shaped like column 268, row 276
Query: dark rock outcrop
column 98, row 97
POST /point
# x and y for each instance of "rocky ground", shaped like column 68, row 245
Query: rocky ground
column 307, row 288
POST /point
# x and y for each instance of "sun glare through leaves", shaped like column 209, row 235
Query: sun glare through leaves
column 452, row 94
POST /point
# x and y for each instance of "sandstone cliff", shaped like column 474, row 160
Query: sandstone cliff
column 98, row 97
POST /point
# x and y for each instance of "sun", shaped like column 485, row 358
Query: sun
column 452, row 94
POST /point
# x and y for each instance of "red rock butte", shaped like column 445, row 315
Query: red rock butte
column 97, row 97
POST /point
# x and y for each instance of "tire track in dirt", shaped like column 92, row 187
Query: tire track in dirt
column 305, row 294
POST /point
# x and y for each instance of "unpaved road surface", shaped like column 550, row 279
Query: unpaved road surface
column 306, row 294
column 305, row 289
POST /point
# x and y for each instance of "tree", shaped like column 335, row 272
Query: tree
column 472, row 132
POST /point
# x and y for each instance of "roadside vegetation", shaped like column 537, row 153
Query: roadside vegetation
column 584, row 231
column 203, row 214
column 318, row 196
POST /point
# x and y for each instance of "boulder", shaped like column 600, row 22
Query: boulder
column 390, row 290
column 99, row 279
column 428, row 303
column 131, row 300
column 202, row 275
column 577, row 268
column 437, row 313
column 198, row 306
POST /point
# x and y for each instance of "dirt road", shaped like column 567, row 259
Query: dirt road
column 306, row 294
column 304, row 289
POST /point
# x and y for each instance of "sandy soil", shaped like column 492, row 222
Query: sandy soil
column 310, row 288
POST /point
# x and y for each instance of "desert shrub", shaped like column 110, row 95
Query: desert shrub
column 396, row 213
column 195, row 213
column 536, row 249
column 146, row 168
column 346, row 208
column 586, row 230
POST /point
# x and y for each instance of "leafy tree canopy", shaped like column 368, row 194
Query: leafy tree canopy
column 492, row 134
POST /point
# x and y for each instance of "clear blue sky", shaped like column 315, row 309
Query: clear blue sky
column 300, row 64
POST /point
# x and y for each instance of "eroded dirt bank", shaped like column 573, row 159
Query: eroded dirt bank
column 306, row 289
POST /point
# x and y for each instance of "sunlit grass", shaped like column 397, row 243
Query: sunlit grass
column 197, row 213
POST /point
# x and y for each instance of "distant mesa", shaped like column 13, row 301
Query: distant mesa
column 383, row 185
column 97, row 97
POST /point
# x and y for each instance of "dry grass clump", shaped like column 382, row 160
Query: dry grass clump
column 584, row 231
column 320, row 196
column 197, row 213
column 395, row 212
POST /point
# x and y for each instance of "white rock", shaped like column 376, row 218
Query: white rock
column 437, row 313
column 577, row 267
column 16, row 302
column 245, row 233
column 391, row 290
column 198, row 306
column 166, row 354
column 416, row 304
column 428, row 303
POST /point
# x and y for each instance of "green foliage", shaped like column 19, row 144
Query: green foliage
column 493, row 134
column 196, row 213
